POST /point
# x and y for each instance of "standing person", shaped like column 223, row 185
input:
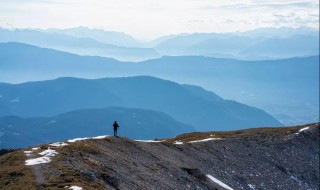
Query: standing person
column 115, row 128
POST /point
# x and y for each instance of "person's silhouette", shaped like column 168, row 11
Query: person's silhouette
column 115, row 128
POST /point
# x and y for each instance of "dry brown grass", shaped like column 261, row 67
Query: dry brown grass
column 14, row 174
column 254, row 133
column 69, row 175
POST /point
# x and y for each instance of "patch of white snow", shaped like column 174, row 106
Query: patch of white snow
column 303, row 129
column 215, row 180
column 35, row 161
column 85, row 138
column 178, row 142
column 49, row 152
column 147, row 141
column 203, row 140
column 57, row 144
column 75, row 188
column 100, row 137
column 36, row 148
column 28, row 153
column 41, row 160
column 78, row 139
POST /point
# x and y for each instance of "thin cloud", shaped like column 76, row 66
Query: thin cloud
column 271, row 5
column 151, row 18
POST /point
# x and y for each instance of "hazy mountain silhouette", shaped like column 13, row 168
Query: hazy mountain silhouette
column 260, row 44
column 277, row 48
column 17, row 132
column 257, row 44
column 36, row 63
column 108, row 37
column 271, row 85
column 196, row 107
column 78, row 45
column 282, row 32
column 222, row 47
column 287, row 88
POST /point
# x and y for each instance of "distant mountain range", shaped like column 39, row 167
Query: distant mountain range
column 188, row 104
column 288, row 88
column 241, row 46
column 108, row 37
column 78, row 44
column 260, row 44
column 17, row 132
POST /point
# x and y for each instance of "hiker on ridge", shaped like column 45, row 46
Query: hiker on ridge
column 115, row 128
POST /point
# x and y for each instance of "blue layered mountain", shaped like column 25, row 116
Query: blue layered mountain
column 79, row 45
column 191, row 105
column 272, row 85
column 18, row 132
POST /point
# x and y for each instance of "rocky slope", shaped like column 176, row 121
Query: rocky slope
column 264, row 158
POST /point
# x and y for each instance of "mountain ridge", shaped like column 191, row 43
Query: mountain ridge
column 263, row 158
column 183, row 104
column 291, row 97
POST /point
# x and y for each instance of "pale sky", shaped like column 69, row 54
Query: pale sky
column 147, row 19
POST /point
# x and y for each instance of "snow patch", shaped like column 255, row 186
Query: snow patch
column 303, row 129
column 41, row 160
column 147, row 141
column 78, row 139
column 178, row 142
column 203, row 140
column 75, row 188
column 57, row 144
column 49, row 152
column 28, row 153
column 35, row 161
column 100, row 137
column 215, row 180
column 85, row 138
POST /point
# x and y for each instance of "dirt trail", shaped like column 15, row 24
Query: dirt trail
column 38, row 171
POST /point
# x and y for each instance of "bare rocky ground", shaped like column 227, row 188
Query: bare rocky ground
column 265, row 158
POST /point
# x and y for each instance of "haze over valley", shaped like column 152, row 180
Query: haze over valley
column 274, row 69
column 182, row 94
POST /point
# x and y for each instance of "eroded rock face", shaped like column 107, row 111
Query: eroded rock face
column 278, row 158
